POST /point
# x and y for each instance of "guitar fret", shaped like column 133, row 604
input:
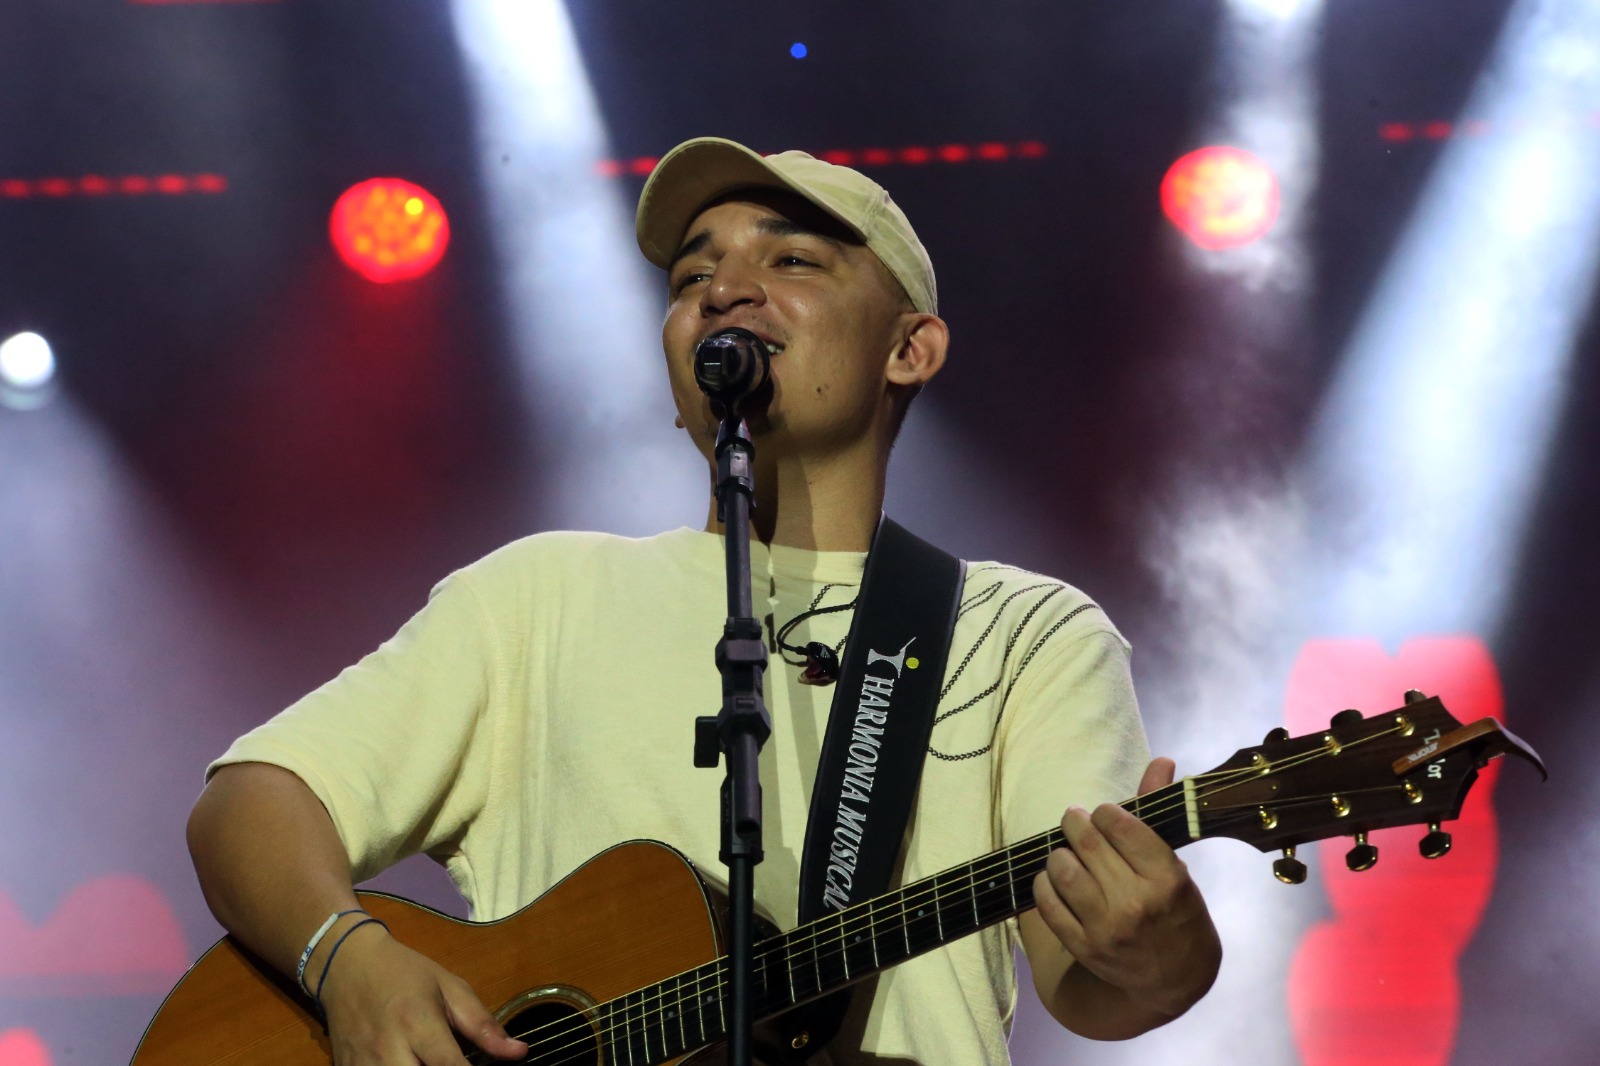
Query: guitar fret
column 905, row 923
column 627, row 1030
column 638, row 1024
column 760, row 977
column 872, row 939
column 788, row 966
column 608, row 1051
column 676, row 1010
column 722, row 995
column 643, row 1028
column 860, row 942
column 972, row 887
column 703, row 1001
column 700, row 1003
column 844, row 945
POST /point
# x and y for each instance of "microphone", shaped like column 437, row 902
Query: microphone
column 730, row 365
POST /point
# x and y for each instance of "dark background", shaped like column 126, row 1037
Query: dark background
column 299, row 454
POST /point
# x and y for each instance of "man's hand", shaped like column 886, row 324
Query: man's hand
column 387, row 1005
column 1122, row 904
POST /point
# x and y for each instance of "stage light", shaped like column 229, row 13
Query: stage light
column 387, row 230
column 1468, row 342
column 1220, row 197
column 913, row 155
column 797, row 50
column 563, row 235
column 26, row 361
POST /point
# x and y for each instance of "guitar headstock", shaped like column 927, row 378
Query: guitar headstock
column 1410, row 766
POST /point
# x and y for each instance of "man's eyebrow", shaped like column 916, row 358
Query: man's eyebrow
column 778, row 226
column 693, row 245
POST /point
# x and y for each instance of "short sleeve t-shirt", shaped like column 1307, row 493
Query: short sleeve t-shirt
column 540, row 708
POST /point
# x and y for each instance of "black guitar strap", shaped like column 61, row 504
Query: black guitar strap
column 877, row 737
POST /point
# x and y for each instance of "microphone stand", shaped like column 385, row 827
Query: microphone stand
column 742, row 726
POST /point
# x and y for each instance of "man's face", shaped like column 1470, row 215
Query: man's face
column 824, row 304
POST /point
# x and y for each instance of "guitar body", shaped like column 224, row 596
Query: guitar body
column 633, row 915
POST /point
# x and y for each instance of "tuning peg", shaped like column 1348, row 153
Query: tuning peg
column 1344, row 718
column 1415, row 695
column 1436, row 844
column 1289, row 870
column 1363, row 856
column 1275, row 735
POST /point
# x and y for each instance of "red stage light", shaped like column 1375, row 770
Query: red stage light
column 911, row 155
column 1220, row 197
column 388, row 230
column 22, row 1047
column 1379, row 980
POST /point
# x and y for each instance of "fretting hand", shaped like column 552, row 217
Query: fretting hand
column 1122, row 903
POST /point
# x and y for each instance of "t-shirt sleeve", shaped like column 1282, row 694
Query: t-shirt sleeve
column 1071, row 733
column 397, row 747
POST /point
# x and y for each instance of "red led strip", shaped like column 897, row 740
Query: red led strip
column 94, row 185
column 1442, row 129
column 169, row 3
column 911, row 155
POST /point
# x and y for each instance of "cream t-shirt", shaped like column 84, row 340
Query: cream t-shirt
column 540, row 708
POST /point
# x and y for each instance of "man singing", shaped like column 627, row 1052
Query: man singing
column 538, row 709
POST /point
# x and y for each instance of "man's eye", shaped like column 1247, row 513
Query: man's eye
column 687, row 280
column 794, row 260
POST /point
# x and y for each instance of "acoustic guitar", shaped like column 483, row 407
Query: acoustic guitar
column 622, row 964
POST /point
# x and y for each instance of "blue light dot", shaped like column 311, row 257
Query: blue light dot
column 797, row 50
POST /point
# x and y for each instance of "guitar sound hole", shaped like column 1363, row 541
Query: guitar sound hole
column 558, row 1034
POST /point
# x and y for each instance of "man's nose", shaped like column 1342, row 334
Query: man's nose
column 732, row 284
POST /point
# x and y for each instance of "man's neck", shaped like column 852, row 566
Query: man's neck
column 829, row 504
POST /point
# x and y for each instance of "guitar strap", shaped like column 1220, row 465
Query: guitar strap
column 877, row 736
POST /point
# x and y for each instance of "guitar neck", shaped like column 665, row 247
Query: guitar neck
column 824, row 955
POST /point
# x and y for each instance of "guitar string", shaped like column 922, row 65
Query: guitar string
column 1043, row 843
column 1030, row 847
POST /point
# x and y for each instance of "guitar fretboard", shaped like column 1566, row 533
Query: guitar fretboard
column 672, row 1017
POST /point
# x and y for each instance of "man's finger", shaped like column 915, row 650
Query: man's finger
column 473, row 1021
column 1158, row 774
column 1107, row 869
column 1057, row 916
column 1140, row 848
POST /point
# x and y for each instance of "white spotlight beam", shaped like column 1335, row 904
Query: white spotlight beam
column 1431, row 441
column 585, row 308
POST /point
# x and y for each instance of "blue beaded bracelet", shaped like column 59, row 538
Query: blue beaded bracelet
column 337, row 944
column 311, row 946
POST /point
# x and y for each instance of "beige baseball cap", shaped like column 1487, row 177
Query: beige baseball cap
column 699, row 171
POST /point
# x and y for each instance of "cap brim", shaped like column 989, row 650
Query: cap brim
column 692, row 175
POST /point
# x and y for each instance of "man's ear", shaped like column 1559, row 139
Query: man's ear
column 922, row 352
